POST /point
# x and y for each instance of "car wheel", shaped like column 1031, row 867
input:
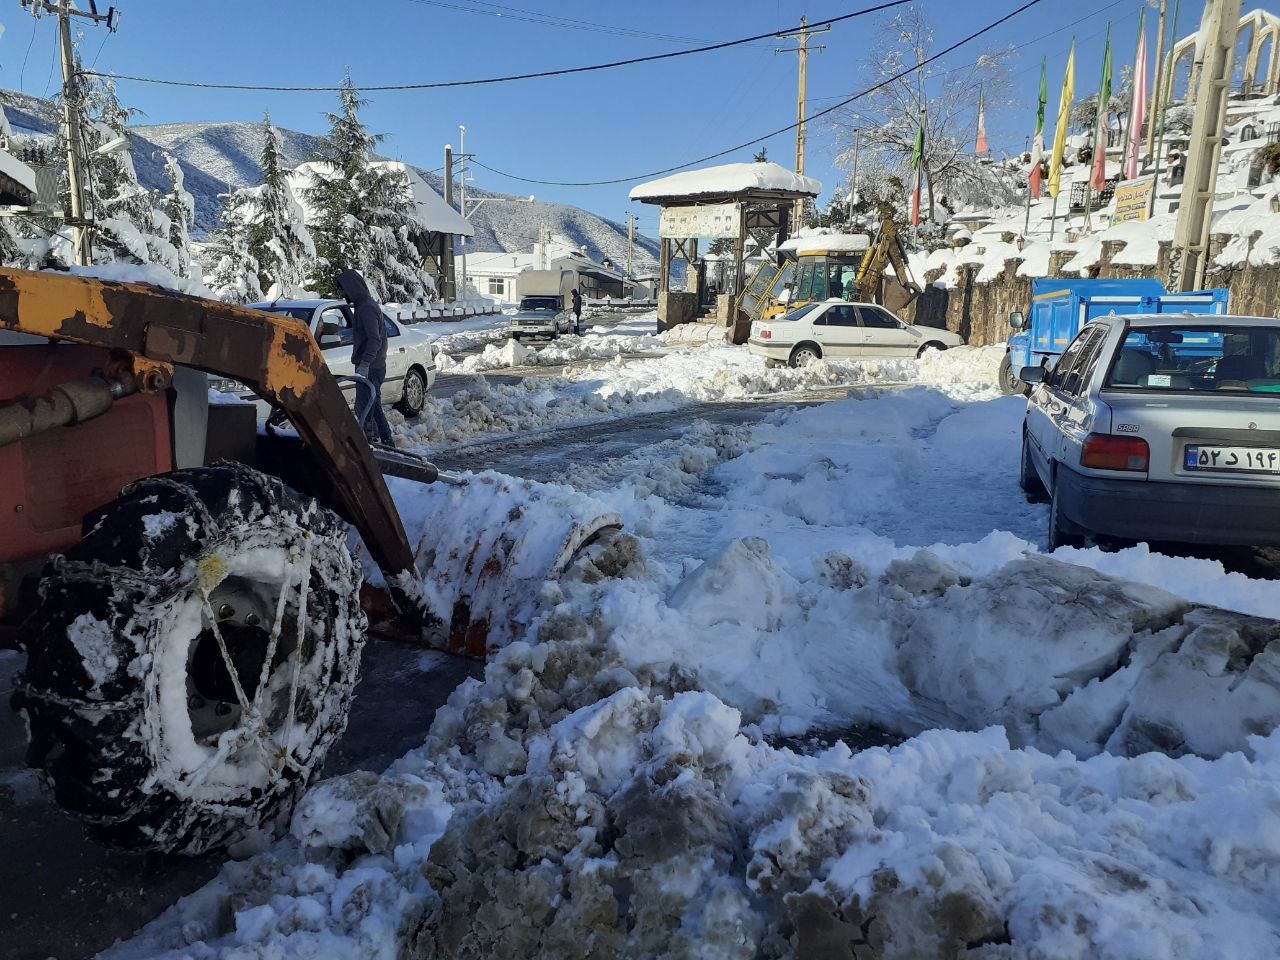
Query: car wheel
column 1062, row 533
column 803, row 356
column 414, row 397
column 928, row 346
column 1028, row 479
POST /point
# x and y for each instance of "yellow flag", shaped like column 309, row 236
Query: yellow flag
column 1064, row 121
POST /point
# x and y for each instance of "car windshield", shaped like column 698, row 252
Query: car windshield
column 799, row 312
column 540, row 303
column 1198, row 358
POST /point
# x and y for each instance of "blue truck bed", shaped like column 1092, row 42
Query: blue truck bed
column 1061, row 308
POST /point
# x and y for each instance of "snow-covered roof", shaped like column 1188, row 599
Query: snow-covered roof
column 727, row 178
column 430, row 209
column 17, row 179
column 830, row 242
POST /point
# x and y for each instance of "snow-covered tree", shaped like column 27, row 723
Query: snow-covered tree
column 341, row 237
column 364, row 212
column 231, row 270
column 180, row 208
column 944, row 100
column 280, row 240
column 130, row 222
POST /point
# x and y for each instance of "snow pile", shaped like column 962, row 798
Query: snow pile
column 566, row 349
column 576, row 803
column 613, row 785
column 963, row 373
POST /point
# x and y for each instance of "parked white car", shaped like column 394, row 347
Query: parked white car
column 1159, row 428
column 411, row 356
column 838, row 330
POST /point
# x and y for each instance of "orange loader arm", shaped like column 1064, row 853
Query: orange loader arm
column 274, row 356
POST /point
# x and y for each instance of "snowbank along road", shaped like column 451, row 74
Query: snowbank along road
column 1078, row 754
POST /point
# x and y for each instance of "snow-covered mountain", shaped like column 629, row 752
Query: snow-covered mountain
column 217, row 157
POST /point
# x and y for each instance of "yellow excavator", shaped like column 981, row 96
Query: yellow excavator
column 832, row 265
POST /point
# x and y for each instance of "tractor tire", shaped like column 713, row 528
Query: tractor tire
column 152, row 636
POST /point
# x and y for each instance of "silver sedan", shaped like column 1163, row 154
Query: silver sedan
column 1159, row 428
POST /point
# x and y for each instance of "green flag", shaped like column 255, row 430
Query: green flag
column 1044, row 96
column 918, row 152
column 1104, row 88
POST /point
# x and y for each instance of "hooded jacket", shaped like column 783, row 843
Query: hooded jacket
column 369, row 333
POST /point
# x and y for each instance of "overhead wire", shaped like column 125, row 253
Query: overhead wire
column 540, row 74
column 1022, row 46
column 551, row 20
column 792, row 126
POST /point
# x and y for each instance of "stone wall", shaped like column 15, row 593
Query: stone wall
column 979, row 312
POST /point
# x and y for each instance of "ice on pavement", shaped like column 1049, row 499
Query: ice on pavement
column 1089, row 770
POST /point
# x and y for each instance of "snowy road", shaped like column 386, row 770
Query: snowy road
column 777, row 527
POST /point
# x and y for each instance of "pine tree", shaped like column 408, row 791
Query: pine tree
column 341, row 236
column 232, row 270
column 280, row 241
column 365, row 212
column 762, row 156
column 180, row 208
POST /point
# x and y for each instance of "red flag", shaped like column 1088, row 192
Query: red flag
column 1099, row 178
column 1133, row 148
column 1037, row 177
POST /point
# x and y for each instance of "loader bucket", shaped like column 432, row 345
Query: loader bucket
column 485, row 551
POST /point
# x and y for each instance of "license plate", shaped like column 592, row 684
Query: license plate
column 1198, row 456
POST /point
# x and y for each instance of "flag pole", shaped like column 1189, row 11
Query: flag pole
column 1053, row 218
column 1165, row 96
column 1026, row 226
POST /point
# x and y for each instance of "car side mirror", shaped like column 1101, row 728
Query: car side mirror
column 1017, row 320
column 1031, row 374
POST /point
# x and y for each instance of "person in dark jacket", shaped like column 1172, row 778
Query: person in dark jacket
column 576, row 299
column 368, row 350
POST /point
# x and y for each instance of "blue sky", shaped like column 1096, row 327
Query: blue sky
column 589, row 127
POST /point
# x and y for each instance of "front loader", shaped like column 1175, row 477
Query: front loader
column 183, row 586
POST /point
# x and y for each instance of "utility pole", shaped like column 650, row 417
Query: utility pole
column 802, row 50
column 631, row 241
column 78, row 221
column 1158, row 93
column 1217, row 44
column 462, row 201
column 450, row 291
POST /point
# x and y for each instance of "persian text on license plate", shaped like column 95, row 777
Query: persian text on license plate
column 1198, row 456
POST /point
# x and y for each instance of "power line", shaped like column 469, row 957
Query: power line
column 551, row 20
column 1022, row 46
column 751, row 143
column 442, row 84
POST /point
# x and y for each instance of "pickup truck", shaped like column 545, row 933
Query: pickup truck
column 1061, row 308
column 544, row 309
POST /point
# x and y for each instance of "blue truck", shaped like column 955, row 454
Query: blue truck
column 1061, row 308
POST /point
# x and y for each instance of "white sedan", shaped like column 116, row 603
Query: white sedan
column 838, row 330
column 411, row 356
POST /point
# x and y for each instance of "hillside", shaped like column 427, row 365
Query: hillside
column 217, row 157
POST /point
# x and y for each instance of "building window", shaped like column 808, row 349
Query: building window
column 497, row 286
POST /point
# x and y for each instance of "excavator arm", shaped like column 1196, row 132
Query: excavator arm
column 275, row 356
column 887, row 250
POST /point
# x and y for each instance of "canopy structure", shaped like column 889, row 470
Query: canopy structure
column 731, row 201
